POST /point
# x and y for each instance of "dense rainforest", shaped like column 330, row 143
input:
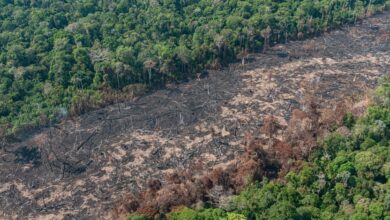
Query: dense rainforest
column 346, row 178
column 66, row 57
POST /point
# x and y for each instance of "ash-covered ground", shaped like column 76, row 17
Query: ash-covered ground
column 78, row 169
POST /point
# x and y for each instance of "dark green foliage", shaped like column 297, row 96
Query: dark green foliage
column 206, row 214
column 53, row 51
column 348, row 179
column 138, row 217
column 348, row 120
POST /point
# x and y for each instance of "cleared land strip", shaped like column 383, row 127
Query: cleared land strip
column 82, row 166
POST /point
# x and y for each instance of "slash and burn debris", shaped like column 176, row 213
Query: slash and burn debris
column 243, row 121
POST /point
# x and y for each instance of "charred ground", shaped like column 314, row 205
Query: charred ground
column 83, row 166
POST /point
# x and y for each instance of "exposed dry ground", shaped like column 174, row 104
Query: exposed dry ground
column 78, row 169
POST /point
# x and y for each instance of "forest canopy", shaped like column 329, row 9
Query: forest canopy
column 65, row 57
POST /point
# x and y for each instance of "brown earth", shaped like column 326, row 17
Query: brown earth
column 80, row 168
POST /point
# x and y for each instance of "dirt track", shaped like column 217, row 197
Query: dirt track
column 78, row 169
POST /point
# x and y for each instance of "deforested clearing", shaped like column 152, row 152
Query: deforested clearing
column 87, row 166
